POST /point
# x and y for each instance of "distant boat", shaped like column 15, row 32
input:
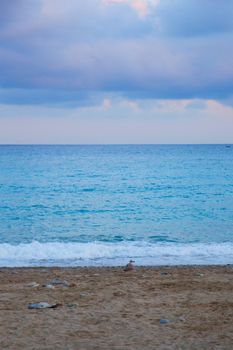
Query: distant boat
column 227, row 146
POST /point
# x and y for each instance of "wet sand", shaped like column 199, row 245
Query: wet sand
column 107, row 308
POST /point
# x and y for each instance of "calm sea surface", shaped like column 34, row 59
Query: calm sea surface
column 101, row 205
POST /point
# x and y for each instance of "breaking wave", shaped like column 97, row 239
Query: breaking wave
column 114, row 254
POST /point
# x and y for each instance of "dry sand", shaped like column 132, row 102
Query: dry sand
column 112, row 309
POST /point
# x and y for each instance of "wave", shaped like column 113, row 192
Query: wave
column 114, row 254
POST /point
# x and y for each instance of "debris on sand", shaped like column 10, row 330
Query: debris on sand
column 164, row 321
column 57, row 282
column 181, row 318
column 49, row 286
column 200, row 274
column 83, row 295
column 43, row 305
column 162, row 273
column 32, row 285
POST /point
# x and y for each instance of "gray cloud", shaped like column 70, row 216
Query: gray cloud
column 69, row 52
column 195, row 17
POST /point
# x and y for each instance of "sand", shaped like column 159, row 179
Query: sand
column 107, row 308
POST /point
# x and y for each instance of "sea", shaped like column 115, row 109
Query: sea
column 101, row 205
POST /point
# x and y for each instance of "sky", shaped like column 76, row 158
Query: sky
column 116, row 71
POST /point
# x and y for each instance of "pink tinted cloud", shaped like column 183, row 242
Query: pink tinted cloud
column 140, row 6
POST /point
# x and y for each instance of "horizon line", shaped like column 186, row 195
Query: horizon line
column 116, row 144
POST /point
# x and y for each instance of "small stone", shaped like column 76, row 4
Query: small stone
column 67, row 284
column 56, row 282
column 72, row 305
column 72, row 284
column 163, row 273
column 32, row 285
column 83, row 295
column 181, row 318
column 49, row 286
column 118, row 294
column 164, row 321
column 200, row 274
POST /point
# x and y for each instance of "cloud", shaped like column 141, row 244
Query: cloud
column 54, row 51
column 195, row 17
column 107, row 103
column 142, row 7
column 148, row 67
column 196, row 104
column 165, row 121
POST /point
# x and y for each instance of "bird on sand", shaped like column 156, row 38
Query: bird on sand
column 130, row 266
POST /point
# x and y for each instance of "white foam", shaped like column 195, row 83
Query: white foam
column 113, row 254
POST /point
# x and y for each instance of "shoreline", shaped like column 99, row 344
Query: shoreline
column 117, row 267
column 158, row 307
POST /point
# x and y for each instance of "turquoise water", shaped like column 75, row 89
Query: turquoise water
column 101, row 205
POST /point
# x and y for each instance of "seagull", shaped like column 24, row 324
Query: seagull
column 130, row 266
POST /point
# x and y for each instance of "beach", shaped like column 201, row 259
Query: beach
column 107, row 308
